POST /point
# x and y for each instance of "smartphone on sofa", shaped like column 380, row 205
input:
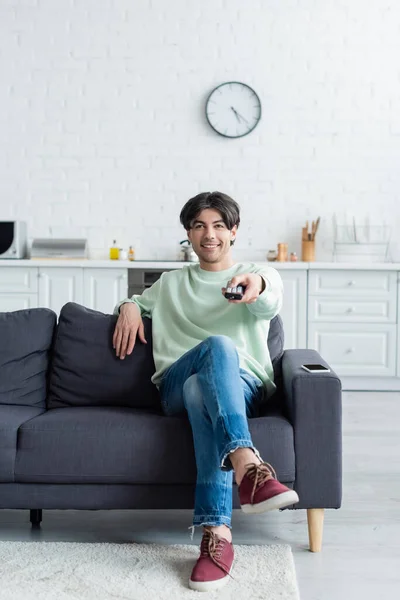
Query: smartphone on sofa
column 315, row 368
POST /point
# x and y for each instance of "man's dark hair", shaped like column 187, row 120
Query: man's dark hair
column 224, row 204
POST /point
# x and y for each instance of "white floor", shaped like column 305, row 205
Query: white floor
column 361, row 547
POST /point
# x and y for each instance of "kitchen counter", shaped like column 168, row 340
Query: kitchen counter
column 170, row 264
column 125, row 264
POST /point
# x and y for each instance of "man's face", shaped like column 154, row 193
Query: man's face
column 211, row 239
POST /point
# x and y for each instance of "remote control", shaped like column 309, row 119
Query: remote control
column 234, row 293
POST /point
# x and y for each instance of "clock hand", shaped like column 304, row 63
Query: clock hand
column 236, row 114
column 240, row 116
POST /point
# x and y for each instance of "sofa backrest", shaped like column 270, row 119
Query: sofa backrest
column 276, row 342
column 25, row 343
column 86, row 372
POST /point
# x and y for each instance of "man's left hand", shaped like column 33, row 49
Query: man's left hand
column 254, row 284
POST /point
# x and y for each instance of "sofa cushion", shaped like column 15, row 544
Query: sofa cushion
column 85, row 370
column 276, row 340
column 11, row 418
column 126, row 445
column 25, row 341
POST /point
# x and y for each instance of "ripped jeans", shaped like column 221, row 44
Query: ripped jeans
column 218, row 396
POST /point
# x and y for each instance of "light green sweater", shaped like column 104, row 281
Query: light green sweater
column 187, row 306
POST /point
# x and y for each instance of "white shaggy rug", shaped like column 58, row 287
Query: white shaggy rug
column 76, row 571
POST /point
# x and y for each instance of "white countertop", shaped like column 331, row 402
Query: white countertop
column 125, row 264
column 158, row 264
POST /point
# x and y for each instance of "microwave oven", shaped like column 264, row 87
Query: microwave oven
column 13, row 242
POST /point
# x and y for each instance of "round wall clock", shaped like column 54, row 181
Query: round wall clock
column 233, row 109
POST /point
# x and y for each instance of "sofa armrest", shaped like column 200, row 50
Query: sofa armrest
column 314, row 406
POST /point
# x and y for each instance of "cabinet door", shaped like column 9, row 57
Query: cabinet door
column 362, row 284
column 104, row 288
column 355, row 310
column 11, row 302
column 18, row 279
column 59, row 285
column 294, row 309
column 356, row 349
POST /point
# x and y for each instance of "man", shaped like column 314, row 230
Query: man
column 212, row 362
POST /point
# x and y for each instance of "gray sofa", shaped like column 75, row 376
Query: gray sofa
column 81, row 429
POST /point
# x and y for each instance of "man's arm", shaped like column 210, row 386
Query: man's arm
column 263, row 294
column 269, row 302
column 130, row 324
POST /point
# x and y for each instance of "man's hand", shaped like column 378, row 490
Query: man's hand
column 254, row 286
column 128, row 325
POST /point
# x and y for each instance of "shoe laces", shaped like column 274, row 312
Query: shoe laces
column 259, row 474
column 212, row 546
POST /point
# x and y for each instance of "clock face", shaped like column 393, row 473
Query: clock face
column 233, row 109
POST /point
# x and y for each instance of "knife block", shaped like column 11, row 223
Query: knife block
column 308, row 250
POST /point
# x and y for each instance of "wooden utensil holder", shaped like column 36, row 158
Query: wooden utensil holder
column 308, row 250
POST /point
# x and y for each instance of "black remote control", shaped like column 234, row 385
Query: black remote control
column 234, row 293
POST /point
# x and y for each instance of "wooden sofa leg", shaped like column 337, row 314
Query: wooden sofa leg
column 315, row 520
column 36, row 517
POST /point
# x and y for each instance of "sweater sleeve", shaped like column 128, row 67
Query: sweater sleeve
column 145, row 301
column 269, row 302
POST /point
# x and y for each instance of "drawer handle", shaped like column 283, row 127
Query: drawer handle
column 349, row 350
column 351, row 309
column 351, row 282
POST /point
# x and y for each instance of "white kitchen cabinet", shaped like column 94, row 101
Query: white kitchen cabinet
column 359, row 349
column 360, row 310
column 59, row 285
column 352, row 283
column 352, row 320
column 18, row 288
column 11, row 302
column 104, row 288
column 18, row 280
column 294, row 309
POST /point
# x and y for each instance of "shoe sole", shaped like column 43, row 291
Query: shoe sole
column 274, row 503
column 209, row 586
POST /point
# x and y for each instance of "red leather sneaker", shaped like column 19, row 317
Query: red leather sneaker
column 260, row 490
column 213, row 567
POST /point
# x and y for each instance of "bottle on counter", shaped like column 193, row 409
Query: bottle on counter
column 123, row 255
column 131, row 253
column 293, row 257
column 114, row 251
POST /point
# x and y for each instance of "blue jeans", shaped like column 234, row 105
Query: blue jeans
column 218, row 396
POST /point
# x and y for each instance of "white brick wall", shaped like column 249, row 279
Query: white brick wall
column 102, row 123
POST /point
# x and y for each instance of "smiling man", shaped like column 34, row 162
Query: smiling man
column 212, row 363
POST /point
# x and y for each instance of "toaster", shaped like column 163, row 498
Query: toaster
column 13, row 241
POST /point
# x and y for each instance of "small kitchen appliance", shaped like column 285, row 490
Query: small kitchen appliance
column 13, row 242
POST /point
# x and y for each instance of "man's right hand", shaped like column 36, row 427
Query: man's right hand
column 129, row 324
